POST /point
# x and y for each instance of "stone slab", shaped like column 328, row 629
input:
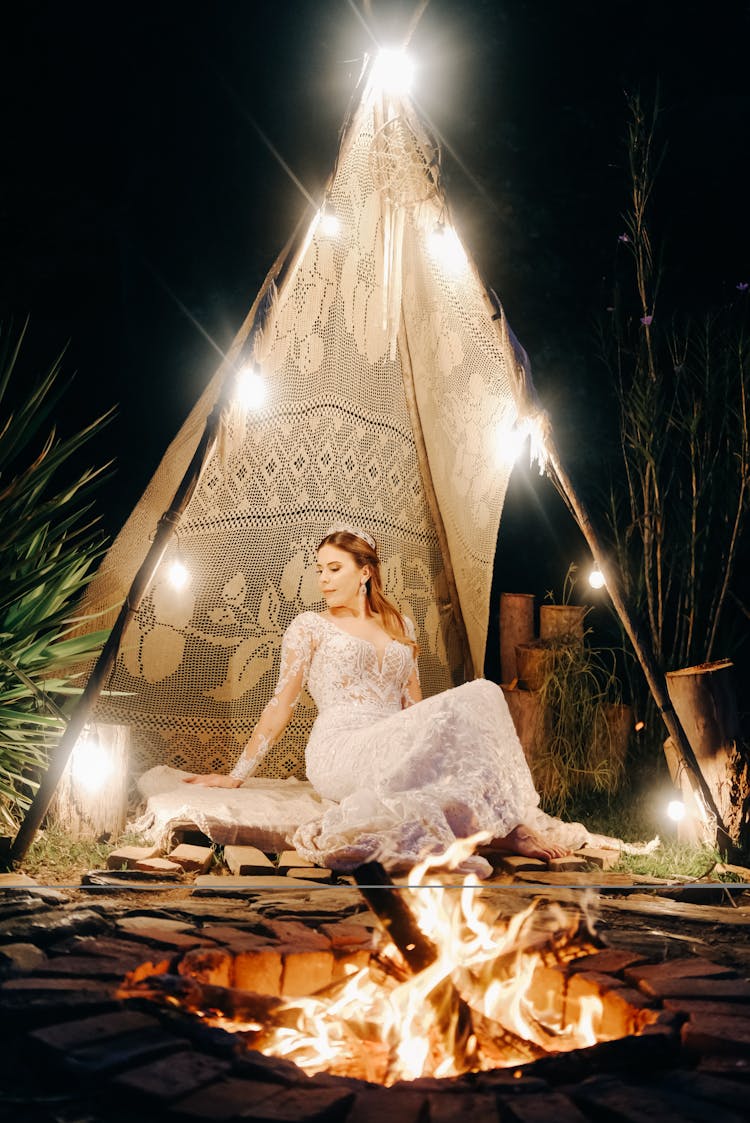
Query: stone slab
column 297, row 934
column 116, row 1053
column 606, row 1097
column 21, row 957
column 44, row 928
column 544, row 1107
column 83, row 966
column 247, row 860
column 98, row 1027
column 16, row 880
column 233, row 885
column 448, row 1107
column 600, row 857
column 728, row 990
column 315, row 873
column 378, row 1105
column 159, row 865
column 172, row 1077
column 713, row 1033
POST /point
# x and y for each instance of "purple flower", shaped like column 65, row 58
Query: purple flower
column 743, row 286
column 646, row 320
column 623, row 238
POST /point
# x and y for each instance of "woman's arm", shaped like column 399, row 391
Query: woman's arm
column 296, row 652
column 412, row 692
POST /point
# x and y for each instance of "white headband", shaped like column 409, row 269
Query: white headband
column 345, row 528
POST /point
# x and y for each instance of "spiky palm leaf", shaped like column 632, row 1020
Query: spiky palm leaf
column 49, row 542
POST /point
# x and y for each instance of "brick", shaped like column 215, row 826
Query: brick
column 172, row 1076
column 712, row 1033
column 226, row 1099
column 99, row 1027
column 237, row 939
column 166, row 933
column 127, row 856
column 208, row 965
column 259, row 970
column 702, row 1086
column 104, row 946
column 347, row 963
column 192, row 859
column 688, row 968
column 542, row 1108
column 301, row 936
column 727, row 990
column 374, row 1105
column 515, row 863
column 570, row 863
column 736, row 1068
column 158, row 865
column 603, row 859
column 244, row 860
column 315, row 873
column 83, row 966
column 447, row 1107
column 609, row 1099
column 699, row 1006
column 305, row 972
column 349, row 936
column 113, row 1054
column 290, row 859
column 610, row 961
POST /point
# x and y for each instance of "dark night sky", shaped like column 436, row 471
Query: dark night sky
column 133, row 178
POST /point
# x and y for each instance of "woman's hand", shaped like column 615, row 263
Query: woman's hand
column 213, row 780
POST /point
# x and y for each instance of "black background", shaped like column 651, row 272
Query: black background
column 140, row 208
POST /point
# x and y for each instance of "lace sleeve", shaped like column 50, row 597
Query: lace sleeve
column 411, row 692
column 296, row 654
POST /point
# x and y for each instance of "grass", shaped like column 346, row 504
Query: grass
column 56, row 856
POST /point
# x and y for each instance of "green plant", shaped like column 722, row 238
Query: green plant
column 49, row 542
column 583, row 728
column 569, row 583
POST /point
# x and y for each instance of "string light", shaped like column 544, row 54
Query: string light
column 393, row 71
column 445, row 246
column 510, row 444
column 178, row 574
column 251, row 389
column 596, row 578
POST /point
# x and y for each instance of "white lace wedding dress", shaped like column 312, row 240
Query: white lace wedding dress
column 408, row 779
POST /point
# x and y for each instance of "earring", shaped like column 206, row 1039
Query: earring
column 363, row 589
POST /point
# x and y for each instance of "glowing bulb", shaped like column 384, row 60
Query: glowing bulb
column 329, row 224
column 178, row 575
column 676, row 810
column 445, row 246
column 510, row 443
column 91, row 766
column 596, row 578
column 251, row 389
column 393, row 71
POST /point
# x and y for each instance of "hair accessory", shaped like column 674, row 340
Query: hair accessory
column 347, row 529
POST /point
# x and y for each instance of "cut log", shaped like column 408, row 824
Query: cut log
column 516, row 627
column 562, row 621
column 704, row 701
column 91, row 800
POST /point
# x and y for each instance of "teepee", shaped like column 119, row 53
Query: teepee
column 375, row 382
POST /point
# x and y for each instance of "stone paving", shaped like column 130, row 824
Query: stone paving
column 74, row 1052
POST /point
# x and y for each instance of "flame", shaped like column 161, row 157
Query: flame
column 382, row 1026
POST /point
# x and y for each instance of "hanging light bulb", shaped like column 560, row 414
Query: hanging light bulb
column 445, row 247
column 596, row 578
column 178, row 574
column 393, row 71
column 251, row 390
column 676, row 810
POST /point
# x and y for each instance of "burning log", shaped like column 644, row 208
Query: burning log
column 195, row 997
column 419, row 954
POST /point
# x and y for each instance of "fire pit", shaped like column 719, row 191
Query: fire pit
column 447, row 988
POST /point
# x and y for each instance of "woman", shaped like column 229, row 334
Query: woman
column 408, row 776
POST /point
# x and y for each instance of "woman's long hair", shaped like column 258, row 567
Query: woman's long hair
column 364, row 554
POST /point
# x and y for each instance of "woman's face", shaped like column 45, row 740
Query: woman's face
column 339, row 576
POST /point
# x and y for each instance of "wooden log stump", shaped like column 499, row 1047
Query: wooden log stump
column 704, row 701
column 91, row 800
column 516, row 627
column 562, row 621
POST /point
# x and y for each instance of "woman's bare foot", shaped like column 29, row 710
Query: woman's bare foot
column 522, row 840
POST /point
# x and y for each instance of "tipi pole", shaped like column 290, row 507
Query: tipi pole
column 642, row 648
column 105, row 663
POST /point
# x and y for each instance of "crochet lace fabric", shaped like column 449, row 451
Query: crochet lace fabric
column 390, row 392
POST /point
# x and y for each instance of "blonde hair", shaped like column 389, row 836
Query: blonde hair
column 365, row 554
